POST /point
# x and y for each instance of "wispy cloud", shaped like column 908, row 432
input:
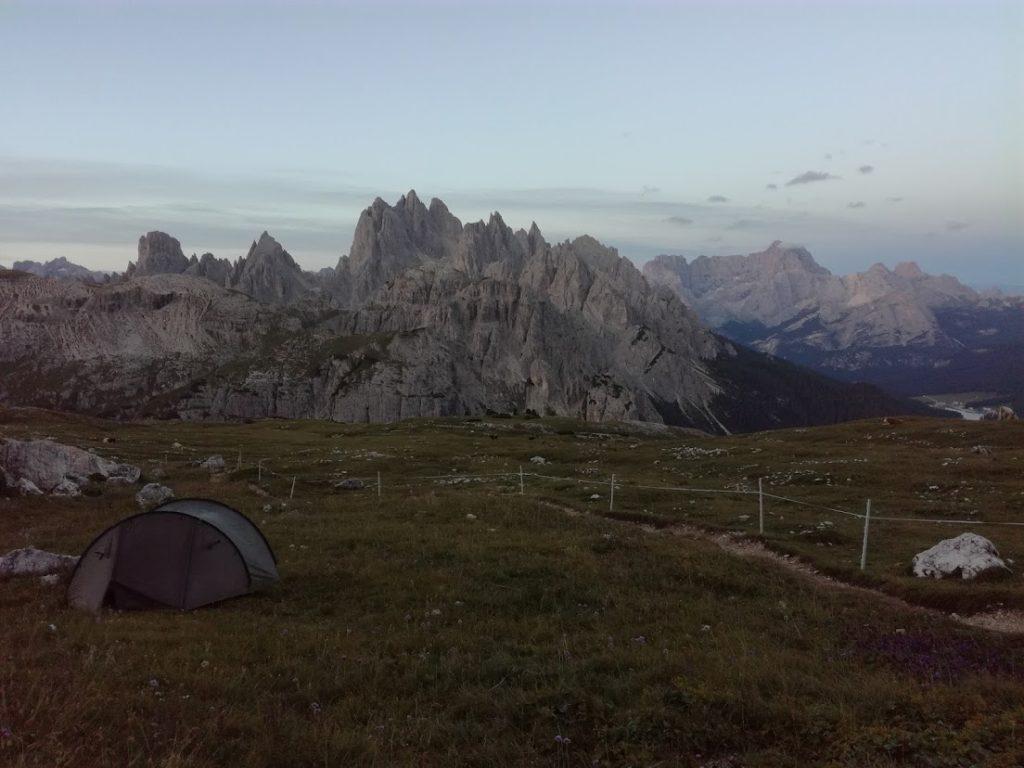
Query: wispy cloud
column 679, row 221
column 771, row 186
column 858, row 204
column 956, row 226
column 894, row 199
column 718, row 199
column 742, row 224
column 809, row 177
column 865, row 169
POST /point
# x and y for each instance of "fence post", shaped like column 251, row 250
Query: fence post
column 760, row 507
column 378, row 485
column 864, row 546
column 611, row 496
column 292, row 494
column 521, row 488
column 259, row 471
column 238, row 466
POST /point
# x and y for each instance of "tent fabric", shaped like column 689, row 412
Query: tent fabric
column 184, row 554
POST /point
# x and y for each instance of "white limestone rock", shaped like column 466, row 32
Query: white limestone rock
column 966, row 556
column 30, row 561
column 48, row 464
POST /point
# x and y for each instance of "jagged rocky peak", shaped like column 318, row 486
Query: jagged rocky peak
column 159, row 254
column 405, row 233
column 213, row 269
column 269, row 274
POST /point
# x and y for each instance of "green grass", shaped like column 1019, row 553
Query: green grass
column 406, row 633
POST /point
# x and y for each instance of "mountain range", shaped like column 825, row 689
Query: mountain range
column 902, row 329
column 425, row 316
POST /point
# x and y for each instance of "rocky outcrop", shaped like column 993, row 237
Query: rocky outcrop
column 902, row 328
column 966, row 557
column 215, row 270
column 269, row 274
column 57, row 468
column 159, row 254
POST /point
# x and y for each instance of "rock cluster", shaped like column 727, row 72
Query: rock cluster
column 31, row 467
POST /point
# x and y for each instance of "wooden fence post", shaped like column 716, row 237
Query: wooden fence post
column 864, row 546
column 760, row 506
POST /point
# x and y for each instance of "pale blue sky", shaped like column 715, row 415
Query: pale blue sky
column 215, row 120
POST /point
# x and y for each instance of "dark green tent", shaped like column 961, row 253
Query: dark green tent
column 184, row 554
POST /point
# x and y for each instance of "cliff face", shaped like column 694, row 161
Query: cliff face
column 424, row 317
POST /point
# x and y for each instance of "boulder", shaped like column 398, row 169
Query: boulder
column 213, row 464
column 34, row 562
column 47, row 463
column 1002, row 413
column 966, row 556
column 153, row 494
column 66, row 487
column 349, row 484
column 538, row 460
column 26, row 487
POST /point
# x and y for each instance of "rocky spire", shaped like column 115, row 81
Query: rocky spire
column 159, row 253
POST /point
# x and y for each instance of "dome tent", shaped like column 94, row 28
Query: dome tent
column 183, row 554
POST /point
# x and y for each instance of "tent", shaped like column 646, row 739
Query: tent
column 183, row 554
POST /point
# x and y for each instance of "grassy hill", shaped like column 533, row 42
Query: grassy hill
column 463, row 623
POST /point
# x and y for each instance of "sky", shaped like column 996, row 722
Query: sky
column 865, row 131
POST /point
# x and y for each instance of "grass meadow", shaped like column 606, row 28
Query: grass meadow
column 465, row 623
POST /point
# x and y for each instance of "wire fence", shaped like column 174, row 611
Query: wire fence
column 520, row 481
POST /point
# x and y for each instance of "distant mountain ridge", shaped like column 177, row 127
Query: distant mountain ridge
column 61, row 269
column 901, row 328
column 425, row 316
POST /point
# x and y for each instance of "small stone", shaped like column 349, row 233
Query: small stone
column 213, row 464
column 349, row 484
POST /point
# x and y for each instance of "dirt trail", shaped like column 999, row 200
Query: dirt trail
column 1007, row 622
